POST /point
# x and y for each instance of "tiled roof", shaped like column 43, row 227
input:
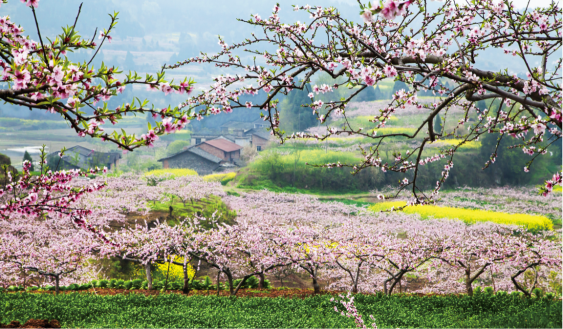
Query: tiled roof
column 223, row 145
column 260, row 132
column 205, row 155
column 197, row 151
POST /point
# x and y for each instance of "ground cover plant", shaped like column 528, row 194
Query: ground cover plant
column 176, row 311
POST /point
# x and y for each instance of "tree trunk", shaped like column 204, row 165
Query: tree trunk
column 316, row 287
column 56, row 284
column 186, row 288
column 230, row 281
column 468, row 281
column 166, row 282
column 218, row 282
column 239, row 285
column 149, row 275
column 261, row 281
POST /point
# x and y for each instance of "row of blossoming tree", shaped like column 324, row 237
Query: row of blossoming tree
column 344, row 247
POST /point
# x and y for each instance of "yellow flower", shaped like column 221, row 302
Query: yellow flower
column 470, row 216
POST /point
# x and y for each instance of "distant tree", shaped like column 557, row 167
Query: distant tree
column 298, row 118
column 438, row 125
column 176, row 146
column 27, row 156
column 481, row 105
column 367, row 95
column 400, row 85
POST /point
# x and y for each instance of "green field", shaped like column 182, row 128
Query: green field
column 177, row 311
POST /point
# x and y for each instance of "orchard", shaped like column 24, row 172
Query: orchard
column 58, row 226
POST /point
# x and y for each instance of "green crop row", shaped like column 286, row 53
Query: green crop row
column 203, row 284
column 178, row 311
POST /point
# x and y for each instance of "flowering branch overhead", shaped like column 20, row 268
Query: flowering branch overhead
column 444, row 47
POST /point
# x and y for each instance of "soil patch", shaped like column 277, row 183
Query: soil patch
column 32, row 323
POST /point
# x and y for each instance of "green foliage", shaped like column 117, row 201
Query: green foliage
column 103, row 283
column 112, row 283
column 177, row 311
column 176, row 146
column 137, row 284
column 293, row 172
column 128, row 285
column 293, row 116
column 204, row 207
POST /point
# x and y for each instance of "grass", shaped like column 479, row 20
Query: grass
column 177, row 311
column 470, row 216
column 203, row 207
column 474, row 145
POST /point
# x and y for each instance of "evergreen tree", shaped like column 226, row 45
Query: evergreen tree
column 438, row 124
column 366, row 95
column 297, row 118
column 27, row 156
column 400, row 85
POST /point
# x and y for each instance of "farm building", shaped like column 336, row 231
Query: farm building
column 240, row 133
column 79, row 157
column 206, row 157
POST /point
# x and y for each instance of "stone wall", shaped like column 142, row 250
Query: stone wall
column 192, row 161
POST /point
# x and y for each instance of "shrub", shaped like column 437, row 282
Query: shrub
column 31, row 288
column 73, row 286
column 207, row 283
column 112, row 283
column 267, row 284
column 145, row 285
column 252, row 282
column 489, row 290
column 104, row 283
column 120, row 284
column 128, row 284
column 537, row 292
column 176, row 285
column 85, row 286
column 137, row 283
column 95, row 283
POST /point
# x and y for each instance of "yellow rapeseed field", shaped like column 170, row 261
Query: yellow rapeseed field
column 223, row 178
column 176, row 271
column 172, row 172
column 470, row 216
column 455, row 142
